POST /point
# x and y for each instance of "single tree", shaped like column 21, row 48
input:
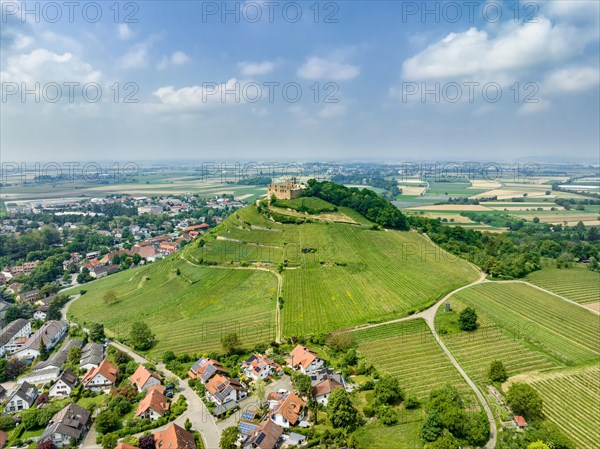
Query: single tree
column 108, row 421
column 109, row 441
column 48, row 444
column 97, row 333
column 467, row 319
column 74, row 356
column 538, row 445
column 341, row 412
column 303, row 384
column 229, row 438
column 524, row 400
column 43, row 350
column 140, row 336
column 388, row 391
column 230, row 343
column 187, row 424
column 259, row 391
column 168, row 357
column 110, row 297
column 497, row 372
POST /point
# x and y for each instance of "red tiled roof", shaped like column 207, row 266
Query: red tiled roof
column 289, row 407
column 174, row 437
column 154, row 401
column 520, row 421
column 107, row 369
column 301, row 355
column 141, row 376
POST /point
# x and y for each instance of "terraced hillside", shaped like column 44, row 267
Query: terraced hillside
column 577, row 284
column 188, row 312
column 408, row 351
column 334, row 275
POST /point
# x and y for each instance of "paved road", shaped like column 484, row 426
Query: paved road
column 201, row 419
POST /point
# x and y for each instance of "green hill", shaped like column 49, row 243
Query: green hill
column 334, row 273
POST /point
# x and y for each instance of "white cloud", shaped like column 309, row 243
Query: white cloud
column 124, row 32
column 199, row 97
column 256, row 68
column 569, row 9
column 534, row 108
column 22, row 42
column 572, row 79
column 330, row 69
column 44, row 66
column 177, row 58
column 478, row 54
column 136, row 57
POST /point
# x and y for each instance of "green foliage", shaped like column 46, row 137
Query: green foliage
column 524, row 400
column 340, row 341
column 229, row 438
column 497, row 372
column 302, row 382
column 412, row 402
column 141, row 337
column 109, row 441
column 388, row 391
column 387, row 415
column 108, row 421
column 366, row 202
column 467, row 320
column 230, row 342
column 119, row 405
column 97, row 333
column 340, row 411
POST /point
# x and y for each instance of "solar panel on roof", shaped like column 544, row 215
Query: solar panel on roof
column 247, row 428
column 260, row 438
column 248, row 415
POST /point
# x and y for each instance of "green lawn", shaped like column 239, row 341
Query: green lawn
column 404, row 435
column 577, row 284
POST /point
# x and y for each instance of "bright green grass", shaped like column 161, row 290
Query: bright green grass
column 555, row 327
column 366, row 276
column 577, row 284
column 571, row 402
column 404, row 435
column 189, row 312
column 475, row 351
column 408, row 351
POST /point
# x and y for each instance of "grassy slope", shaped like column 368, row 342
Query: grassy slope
column 188, row 312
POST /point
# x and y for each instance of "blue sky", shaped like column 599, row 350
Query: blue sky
column 362, row 68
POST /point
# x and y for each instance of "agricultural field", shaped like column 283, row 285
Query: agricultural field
column 476, row 350
column 577, row 284
column 561, row 330
column 188, row 312
column 408, row 351
column 359, row 275
column 571, row 402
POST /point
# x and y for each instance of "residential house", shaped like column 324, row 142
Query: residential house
column 324, row 381
column 67, row 425
column 21, row 399
column 222, row 390
column 266, row 436
column 58, row 359
column 28, row 296
column 41, row 313
column 50, row 333
column 154, row 405
column 100, row 271
column 14, row 287
column 286, row 409
column 204, row 369
column 304, row 360
column 65, row 384
column 91, row 356
column 11, row 336
column 41, row 376
column 145, row 252
column 260, row 367
column 101, row 378
column 143, row 378
column 174, row 437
